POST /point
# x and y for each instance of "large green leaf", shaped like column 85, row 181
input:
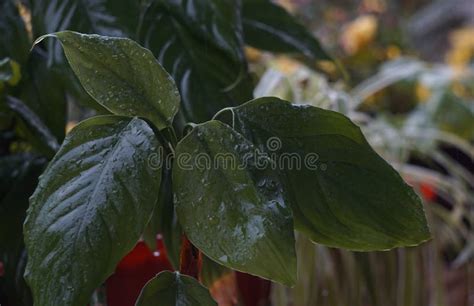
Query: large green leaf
column 342, row 193
column 90, row 207
column 174, row 289
column 270, row 27
column 200, row 45
column 122, row 76
column 231, row 209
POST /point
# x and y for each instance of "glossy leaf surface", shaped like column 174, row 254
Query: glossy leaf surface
column 174, row 289
column 122, row 76
column 343, row 194
column 270, row 27
column 230, row 207
column 200, row 45
column 89, row 208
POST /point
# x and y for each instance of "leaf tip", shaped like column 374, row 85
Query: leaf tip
column 41, row 38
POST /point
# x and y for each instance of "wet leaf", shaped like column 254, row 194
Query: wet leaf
column 174, row 289
column 270, row 27
column 122, row 76
column 200, row 45
column 89, row 208
column 342, row 193
column 231, row 207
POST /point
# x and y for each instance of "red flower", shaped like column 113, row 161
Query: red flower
column 134, row 271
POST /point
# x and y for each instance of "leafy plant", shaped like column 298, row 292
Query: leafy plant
column 125, row 173
column 405, row 276
column 37, row 87
column 93, row 200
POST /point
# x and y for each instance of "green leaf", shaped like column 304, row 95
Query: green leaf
column 200, row 45
column 270, row 27
column 90, row 207
column 342, row 193
column 229, row 208
column 174, row 289
column 121, row 76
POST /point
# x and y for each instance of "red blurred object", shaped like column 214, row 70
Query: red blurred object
column 190, row 259
column 134, row 271
column 254, row 291
column 428, row 191
column 2, row 269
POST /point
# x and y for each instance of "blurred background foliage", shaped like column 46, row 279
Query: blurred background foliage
column 404, row 72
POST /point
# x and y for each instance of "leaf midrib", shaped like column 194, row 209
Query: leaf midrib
column 104, row 168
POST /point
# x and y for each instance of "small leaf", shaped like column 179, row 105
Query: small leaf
column 122, row 76
column 270, row 27
column 89, row 208
column 342, row 193
column 229, row 208
column 174, row 289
